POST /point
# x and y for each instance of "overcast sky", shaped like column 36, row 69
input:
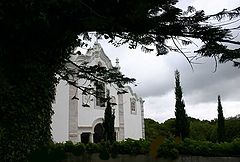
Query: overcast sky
column 155, row 76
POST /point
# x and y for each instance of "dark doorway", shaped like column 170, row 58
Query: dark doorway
column 85, row 138
column 98, row 133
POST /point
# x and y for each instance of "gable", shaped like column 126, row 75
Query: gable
column 95, row 56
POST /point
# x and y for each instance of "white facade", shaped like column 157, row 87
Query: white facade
column 79, row 119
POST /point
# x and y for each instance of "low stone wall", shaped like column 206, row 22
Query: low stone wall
column 146, row 158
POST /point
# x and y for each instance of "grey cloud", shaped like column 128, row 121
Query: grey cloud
column 204, row 86
column 150, row 89
column 155, row 75
column 228, row 89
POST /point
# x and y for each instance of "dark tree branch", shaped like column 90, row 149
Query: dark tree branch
column 230, row 41
column 190, row 63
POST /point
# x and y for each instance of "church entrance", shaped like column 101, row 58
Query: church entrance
column 85, row 138
column 98, row 133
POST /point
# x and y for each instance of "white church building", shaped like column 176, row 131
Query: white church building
column 78, row 117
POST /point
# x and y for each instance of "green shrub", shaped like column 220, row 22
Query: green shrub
column 79, row 149
column 104, row 149
column 168, row 149
column 197, row 148
column 115, row 149
column 144, row 146
column 206, row 148
column 133, row 147
column 236, row 147
column 69, row 146
column 92, row 148
column 125, row 146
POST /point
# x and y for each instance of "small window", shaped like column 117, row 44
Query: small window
column 85, row 100
column 133, row 105
column 108, row 93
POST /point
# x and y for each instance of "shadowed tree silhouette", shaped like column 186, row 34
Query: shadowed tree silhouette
column 220, row 122
column 108, row 124
column 182, row 123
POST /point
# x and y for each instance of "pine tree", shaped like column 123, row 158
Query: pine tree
column 182, row 122
column 220, row 123
column 108, row 124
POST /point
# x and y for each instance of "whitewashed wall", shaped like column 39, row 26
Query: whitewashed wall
column 87, row 115
column 131, row 126
column 132, row 122
column 61, row 111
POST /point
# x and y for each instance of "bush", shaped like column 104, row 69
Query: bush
column 168, row 149
column 130, row 146
column 104, row 150
column 206, row 148
column 79, row 149
column 236, row 147
column 144, row 146
column 197, row 148
column 69, row 146
column 134, row 147
column 115, row 149
column 92, row 148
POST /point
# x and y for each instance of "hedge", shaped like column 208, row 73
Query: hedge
column 167, row 149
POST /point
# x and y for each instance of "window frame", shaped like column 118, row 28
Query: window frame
column 100, row 94
column 133, row 106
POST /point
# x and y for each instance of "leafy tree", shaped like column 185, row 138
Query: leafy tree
column 38, row 37
column 220, row 122
column 201, row 130
column 208, row 129
column 182, row 122
column 108, row 124
column 232, row 129
column 169, row 127
column 152, row 129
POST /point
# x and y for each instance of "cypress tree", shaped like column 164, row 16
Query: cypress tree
column 182, row 123
column 108, row 124
column 220, row 123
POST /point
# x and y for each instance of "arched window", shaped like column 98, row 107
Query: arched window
column 98, row 133
column 85, row 100
column 100, row 94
